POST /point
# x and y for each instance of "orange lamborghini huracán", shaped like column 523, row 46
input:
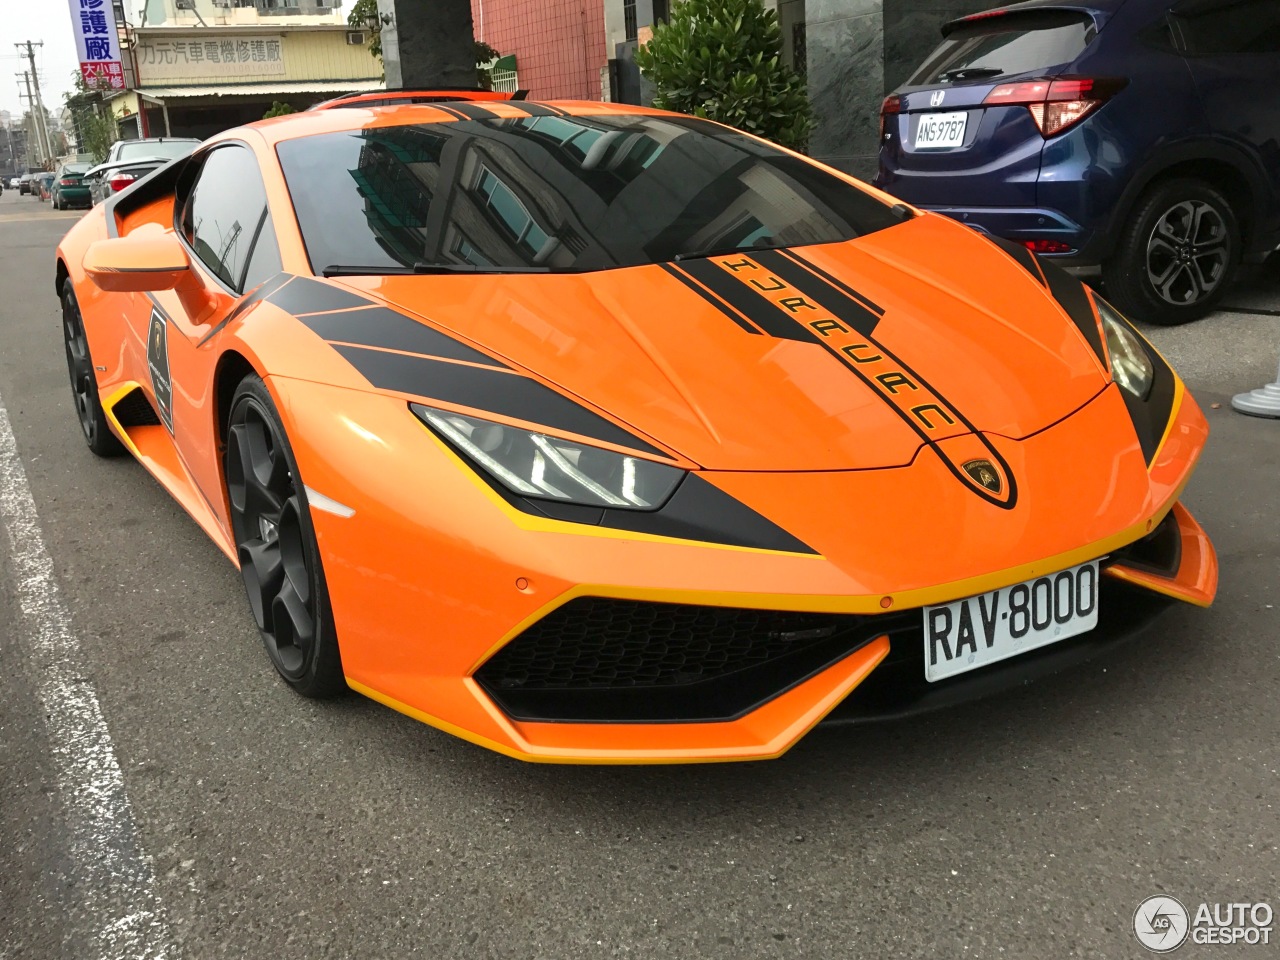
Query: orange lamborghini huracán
column 596, row 433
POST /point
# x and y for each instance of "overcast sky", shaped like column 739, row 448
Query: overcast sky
column 36, row 20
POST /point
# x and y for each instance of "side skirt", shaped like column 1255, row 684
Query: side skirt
column 153, row 447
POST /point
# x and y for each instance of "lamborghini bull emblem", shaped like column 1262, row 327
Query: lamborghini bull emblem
column 984, row 472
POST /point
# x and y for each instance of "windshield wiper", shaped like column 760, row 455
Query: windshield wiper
column 719, row 252
column 970, row 73
column 418, row 269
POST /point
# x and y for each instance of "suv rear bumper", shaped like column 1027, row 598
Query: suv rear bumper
column 1034, row 223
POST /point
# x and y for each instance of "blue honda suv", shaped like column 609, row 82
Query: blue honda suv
column 1138, row 140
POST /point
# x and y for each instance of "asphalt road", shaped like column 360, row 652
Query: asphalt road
column 1027, row 827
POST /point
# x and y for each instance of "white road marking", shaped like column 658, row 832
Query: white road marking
column 113, row 878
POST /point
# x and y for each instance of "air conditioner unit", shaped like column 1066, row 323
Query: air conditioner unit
column 355, row 38
column 185, row 4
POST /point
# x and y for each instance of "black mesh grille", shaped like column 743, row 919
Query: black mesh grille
column 135, row 410
column 604, row 659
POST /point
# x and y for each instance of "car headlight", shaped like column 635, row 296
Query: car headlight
column 1131, row 365
column 537, row 465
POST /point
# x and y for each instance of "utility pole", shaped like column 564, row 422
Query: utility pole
column 427, row 43
column 33, row 135
column 46, row 145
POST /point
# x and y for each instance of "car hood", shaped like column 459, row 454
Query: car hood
column 836, row 369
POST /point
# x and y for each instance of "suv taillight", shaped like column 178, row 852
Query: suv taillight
column 1058, row 104
column 120, row 181
column 892, row 104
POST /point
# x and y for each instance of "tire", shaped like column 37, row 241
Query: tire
column 276, row 544
column 84, row 381
column 1177, row 256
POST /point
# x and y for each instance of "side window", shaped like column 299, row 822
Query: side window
column 222, row 215
column 264, row 262
column 1231, row 27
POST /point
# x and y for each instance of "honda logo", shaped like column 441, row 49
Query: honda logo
column 937, row 98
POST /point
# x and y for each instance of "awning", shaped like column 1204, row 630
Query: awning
column 331, row 87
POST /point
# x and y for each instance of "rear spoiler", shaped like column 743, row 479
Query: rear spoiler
column 1099, row 17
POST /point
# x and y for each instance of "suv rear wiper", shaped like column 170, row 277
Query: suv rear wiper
column 970, row 73
column 418, row 269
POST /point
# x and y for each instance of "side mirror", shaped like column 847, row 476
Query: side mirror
column 137, row 264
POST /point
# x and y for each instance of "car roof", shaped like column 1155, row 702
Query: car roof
column 405, row 95
column 310, row 123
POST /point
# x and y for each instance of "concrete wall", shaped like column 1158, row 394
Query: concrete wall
column 859, row 50
column 845, row 40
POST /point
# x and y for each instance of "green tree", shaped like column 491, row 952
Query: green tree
column 95, row 126
column 278, row 109
column 722, row 59
column 362, row 12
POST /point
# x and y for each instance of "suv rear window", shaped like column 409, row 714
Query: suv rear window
column 1005, row 45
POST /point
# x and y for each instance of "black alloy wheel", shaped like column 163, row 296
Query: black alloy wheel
column 84, row 382
column 1177, row 256
column 276, row 546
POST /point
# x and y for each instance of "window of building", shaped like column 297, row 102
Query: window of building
column 629, row 19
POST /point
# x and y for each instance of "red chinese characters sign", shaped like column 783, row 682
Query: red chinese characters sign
column 98, row 42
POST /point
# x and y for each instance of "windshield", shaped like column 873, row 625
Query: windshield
column 76, row 167
column 1006, row 45
column 558, row 193
column 169, row 149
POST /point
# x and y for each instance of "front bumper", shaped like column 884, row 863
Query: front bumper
column 426, row 590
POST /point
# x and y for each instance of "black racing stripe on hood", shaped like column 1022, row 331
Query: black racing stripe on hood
column 1025, row 258
column 833, row 280
column 305, row 295
column 471, row 110
column 738, row 295
column 380, row 327
column 497, row 391
column 699, row 510
column 537, row 109
column 449, row 110
column 848, row 306
column 1074, row 299
column 706, row 295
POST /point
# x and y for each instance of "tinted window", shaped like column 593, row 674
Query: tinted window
column 76, row 167
column 223, row 212
column 1247, row 26
column 558, row 193
column 264, row 262
column 1007, row 45
column 169, row 149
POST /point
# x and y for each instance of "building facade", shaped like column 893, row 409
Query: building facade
column 201, row 66
column 559, row 45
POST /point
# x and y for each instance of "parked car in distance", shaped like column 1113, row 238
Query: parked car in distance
column 44, row 185
column 130, row 160
column 69, row 188
column 24, row 184
column 1135, row 139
